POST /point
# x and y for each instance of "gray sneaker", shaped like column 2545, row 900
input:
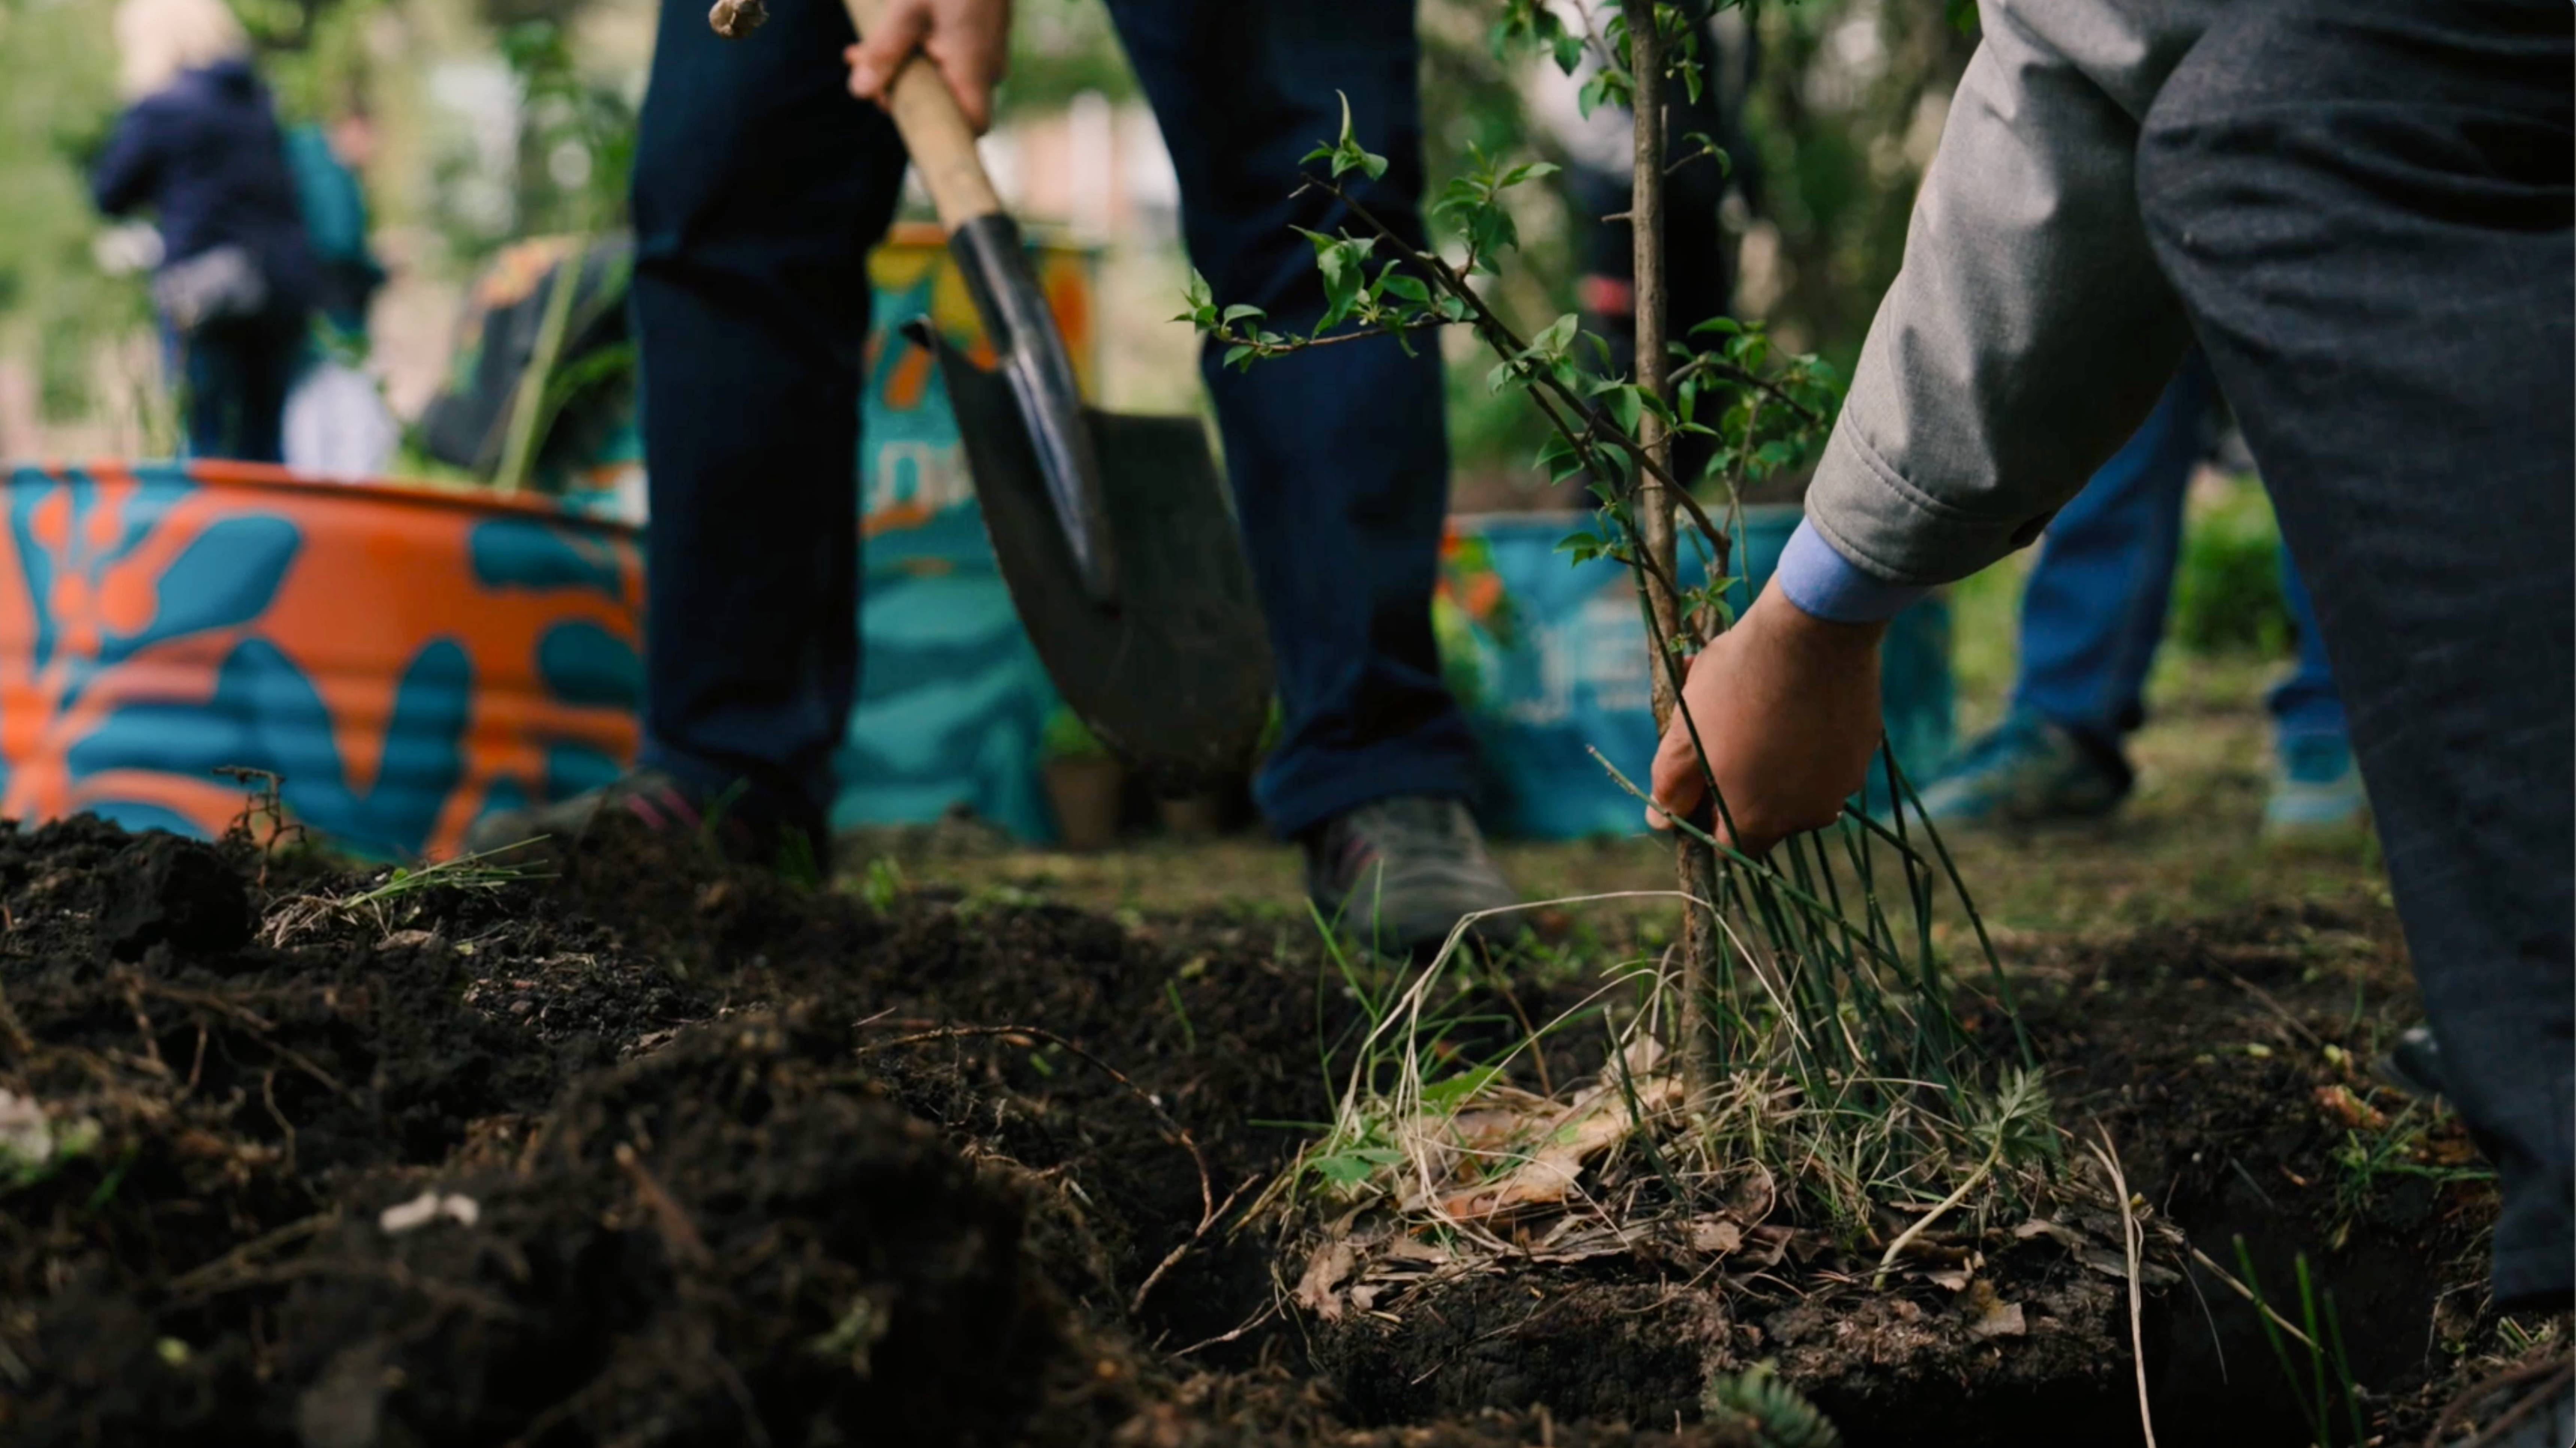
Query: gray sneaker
column 2029, row 770
column 1400, row 873
column 2316, row 791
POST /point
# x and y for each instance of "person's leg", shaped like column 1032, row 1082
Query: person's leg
column 1339, row 457
column 2094, row 608
column 270, row 358
column 2306, row 702
column 2092, row 614
column 2367, row 206
column 212, row 366
column 759, row 187
column 2316, row 791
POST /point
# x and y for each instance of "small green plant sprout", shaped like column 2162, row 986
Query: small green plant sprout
column 1180, row 1013
column 2420, row 1143
column 1065, row 736
column 883, row 884
column 1757, row 1402
column 2326, row 1394
column 853, row 1339
column 463, row 872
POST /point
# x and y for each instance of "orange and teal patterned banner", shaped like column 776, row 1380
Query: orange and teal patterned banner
column 952, row 697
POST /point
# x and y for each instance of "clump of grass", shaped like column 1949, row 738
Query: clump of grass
column 462, row 872
column 1839, row 1070
column 401, row 883
column 2379, row 1150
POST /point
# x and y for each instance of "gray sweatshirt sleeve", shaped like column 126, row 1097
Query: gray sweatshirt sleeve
column 2029, row 331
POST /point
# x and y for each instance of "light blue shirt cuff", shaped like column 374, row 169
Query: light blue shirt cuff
column 1824, row 584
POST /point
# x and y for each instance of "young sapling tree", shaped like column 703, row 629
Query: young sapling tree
column 1821, row 969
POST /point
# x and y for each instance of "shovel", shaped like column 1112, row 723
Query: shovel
column 1113, row 532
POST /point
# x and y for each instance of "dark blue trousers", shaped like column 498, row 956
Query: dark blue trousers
column 2369, row 208
column 760, row 185
column 238, row 374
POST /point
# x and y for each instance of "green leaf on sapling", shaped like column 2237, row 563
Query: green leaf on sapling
column 1556, row 336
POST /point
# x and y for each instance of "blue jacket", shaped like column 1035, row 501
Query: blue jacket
column 205, row 156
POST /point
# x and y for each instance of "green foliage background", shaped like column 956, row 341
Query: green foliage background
column 57, row 98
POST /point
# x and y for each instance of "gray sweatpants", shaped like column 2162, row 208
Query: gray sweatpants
column 2365, row 207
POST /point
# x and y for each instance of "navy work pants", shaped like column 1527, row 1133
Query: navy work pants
column 238, row 373
column 760, row 186
column 2369, row 208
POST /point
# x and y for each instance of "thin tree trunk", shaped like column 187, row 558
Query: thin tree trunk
column 1695, row 866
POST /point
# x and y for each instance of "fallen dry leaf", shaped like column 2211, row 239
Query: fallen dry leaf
column 2058, row 1232
column 1409, row 1248
column 1716, row 1236
column 2005, row 1321
column 1558, row 1140
column 1325, row 1271
column 1989, row 1315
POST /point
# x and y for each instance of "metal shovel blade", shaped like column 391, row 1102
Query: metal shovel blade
column 1174, row 673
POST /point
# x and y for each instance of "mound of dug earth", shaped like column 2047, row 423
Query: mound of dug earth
column 653, row 1153
column 302, row 1191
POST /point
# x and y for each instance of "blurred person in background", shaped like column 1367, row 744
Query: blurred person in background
column 760, row 185
column 326, row 163
column 2092, row 616
column 198, row 147
column 337, row 423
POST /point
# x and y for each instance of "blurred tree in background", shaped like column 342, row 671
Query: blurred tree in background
column 504, row 119
column 1847, row 107
column 1060, row 49
column 57, row 97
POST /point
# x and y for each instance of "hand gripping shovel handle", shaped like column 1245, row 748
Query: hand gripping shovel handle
column 987, row 247
column 933, row 128
column 935, row 131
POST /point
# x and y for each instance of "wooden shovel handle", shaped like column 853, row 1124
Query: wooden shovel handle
column 935, row 131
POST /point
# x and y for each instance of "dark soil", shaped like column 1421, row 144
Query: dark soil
column 654, row 1152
